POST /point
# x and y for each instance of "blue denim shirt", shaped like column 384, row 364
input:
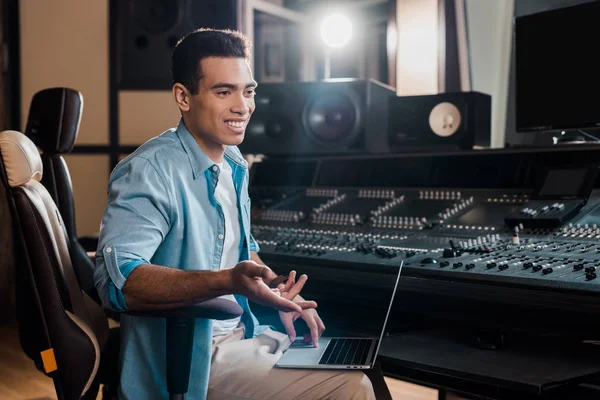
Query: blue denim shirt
column 162, row 210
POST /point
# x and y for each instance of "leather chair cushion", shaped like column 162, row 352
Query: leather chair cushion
column 21, row 158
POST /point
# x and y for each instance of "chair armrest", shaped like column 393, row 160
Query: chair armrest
column 213, row 309
column 89, row 243
column 180, row 324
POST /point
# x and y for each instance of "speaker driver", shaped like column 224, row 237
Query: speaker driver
column 332, row 117
column 444, row 119
column 156, row 16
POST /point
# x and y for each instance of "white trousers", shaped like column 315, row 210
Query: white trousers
column 243, row 369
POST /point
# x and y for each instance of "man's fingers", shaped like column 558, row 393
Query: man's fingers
column 267, row 297
column 297, row 288
column 255, row 270
column 261, row 271
column 307, row 304
column 285, row 305
column 288, row 324
column 278, row 282
column 320, row 324
column 314, row 332
column 290, row 282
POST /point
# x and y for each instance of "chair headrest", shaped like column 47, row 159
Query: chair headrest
column 54, row 118
column 21, row 158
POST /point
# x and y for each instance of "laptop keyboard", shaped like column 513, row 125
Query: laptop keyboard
column 346, row 352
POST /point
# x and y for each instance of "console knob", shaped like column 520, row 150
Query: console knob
column 450, row 253
column 590, row 275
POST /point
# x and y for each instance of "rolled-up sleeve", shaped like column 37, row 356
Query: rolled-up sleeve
column 136, row 221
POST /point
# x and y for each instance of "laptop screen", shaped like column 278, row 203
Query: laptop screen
column 389, row 308
column 361, row 308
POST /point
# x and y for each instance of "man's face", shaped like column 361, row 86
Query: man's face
column 225, row 101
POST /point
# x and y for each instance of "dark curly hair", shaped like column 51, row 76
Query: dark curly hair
column 203, row 43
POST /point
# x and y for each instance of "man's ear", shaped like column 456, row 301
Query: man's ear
column 182, row 97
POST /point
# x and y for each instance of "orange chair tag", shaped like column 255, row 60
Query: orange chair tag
column 49, row 360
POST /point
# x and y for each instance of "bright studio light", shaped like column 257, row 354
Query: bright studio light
column 336, row 30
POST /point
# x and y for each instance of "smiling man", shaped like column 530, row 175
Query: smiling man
column 176, row 231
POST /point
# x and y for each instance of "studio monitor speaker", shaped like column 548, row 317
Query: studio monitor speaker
column 146, row 31
column 446, row 120
column 318, row 118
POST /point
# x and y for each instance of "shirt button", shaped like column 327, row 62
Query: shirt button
column 108, row 249
column 220, row 236
column 215, row 168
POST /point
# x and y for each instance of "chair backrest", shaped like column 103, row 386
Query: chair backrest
column 53, row 126
column 7, row 262
column 61, row 327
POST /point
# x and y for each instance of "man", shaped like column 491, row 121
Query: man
column 177, row 231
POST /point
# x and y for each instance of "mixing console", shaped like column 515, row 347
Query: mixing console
column 546, row 262
column 498, row 245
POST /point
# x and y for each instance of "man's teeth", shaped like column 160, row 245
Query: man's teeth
column 235, row 124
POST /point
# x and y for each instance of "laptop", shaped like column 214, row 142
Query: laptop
column 338, row 352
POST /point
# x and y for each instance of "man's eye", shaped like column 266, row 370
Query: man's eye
column 251, row 92
column 223, row 93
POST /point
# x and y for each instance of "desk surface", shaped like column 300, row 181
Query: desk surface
column 532, row 366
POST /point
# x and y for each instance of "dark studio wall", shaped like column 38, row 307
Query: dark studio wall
column 526, row 7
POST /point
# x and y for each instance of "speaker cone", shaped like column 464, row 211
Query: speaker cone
column 332, row 117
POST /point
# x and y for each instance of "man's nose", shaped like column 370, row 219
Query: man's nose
column 240, row 106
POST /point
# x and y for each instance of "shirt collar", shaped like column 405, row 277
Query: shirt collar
column 199, row 161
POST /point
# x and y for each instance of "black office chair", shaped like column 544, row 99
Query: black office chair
column 62, row 329
column 53, row 126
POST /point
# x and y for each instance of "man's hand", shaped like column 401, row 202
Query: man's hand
column 248, row 278
column 309, row 315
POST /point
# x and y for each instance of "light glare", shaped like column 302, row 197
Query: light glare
column 336, row 30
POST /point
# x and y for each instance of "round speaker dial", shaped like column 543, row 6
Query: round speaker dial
column 332, row 117
column 444, row 119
